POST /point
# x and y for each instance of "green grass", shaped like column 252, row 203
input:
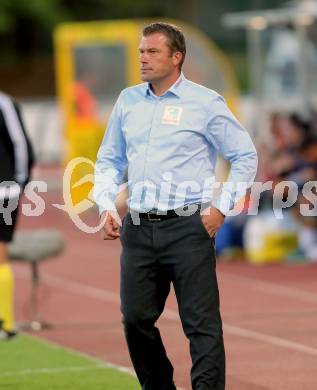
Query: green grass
column 30, row 364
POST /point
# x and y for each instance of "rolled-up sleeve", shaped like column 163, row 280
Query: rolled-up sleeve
column 111, row 161
column 234, row 143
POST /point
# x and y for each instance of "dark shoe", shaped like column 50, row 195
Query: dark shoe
column 7, row 336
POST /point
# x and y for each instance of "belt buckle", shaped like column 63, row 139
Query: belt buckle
column 153, row 219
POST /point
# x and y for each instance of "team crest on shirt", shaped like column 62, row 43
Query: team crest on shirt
column 172, row 115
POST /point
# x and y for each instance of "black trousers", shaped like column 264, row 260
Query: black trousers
column 154, row 254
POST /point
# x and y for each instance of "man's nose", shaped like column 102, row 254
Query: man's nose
column 143, row 58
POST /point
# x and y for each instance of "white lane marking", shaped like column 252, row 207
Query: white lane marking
column 92, row 292
column 98, row 361
column 250, row 334
column 277, row 341
column 50, row 370
column 271, row 288
column 100, row 364
column 73, row 287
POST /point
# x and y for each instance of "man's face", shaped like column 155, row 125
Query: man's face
column 156, row 60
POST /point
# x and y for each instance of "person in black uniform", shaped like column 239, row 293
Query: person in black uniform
column 16, row 157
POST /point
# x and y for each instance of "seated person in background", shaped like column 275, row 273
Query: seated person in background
column 293, row 157
column 290, row 154
column 285, row 159
column 307, row 235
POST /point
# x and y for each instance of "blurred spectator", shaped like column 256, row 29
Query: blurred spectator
column 307, row 232
column 288, row 153
column 283, row 157
column 293, row 157
column 85, row 103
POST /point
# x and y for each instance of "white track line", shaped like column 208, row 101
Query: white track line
column 99, row 363
column 247, row 282
column 250, row 334
column 73, row 287
column 104, row 295
column 277, row 341
column 271, row 288
column 87, row 291
column 56, row 370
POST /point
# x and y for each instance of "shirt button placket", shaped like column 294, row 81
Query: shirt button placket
column 147, row 151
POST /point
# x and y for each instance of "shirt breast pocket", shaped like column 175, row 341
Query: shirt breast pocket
column 187, row 134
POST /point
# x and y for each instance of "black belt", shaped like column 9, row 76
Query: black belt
column 182, row 212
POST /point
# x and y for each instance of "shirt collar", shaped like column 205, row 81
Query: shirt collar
column 175, row 89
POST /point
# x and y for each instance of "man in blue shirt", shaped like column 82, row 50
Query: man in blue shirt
column 165, row 134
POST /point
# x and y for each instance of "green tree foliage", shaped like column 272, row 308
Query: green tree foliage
column 43, row 13
column 26, row 28
column 19, row 17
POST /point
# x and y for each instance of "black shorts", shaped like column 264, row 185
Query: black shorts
column 6, row 229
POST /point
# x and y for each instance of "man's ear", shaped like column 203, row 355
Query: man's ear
column 177, row 57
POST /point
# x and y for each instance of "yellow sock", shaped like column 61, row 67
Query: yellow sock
column 6, row 296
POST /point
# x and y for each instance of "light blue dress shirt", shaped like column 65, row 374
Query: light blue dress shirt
column 168, row 145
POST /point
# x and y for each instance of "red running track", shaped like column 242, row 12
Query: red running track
column 269, row 312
